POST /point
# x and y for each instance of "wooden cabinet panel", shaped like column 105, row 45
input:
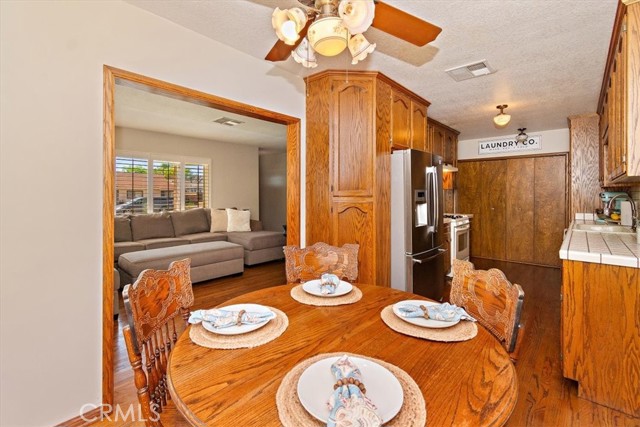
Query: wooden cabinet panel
column 418, row 126
column 352, row 138
column 353, row 223
column 400, row 120
column 599, row 354
column 437, row 144
column 446, row 245
column 519, row 210
column 469, row 196
column 493, row 209
column 585, row 183
column 450, row 148
column 550, row 208
column 620, row 101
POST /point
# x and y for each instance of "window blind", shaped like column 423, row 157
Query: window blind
column 131, row 185
column 196, row 185
column 166, row 186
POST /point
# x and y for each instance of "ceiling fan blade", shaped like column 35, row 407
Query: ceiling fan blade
column 403, row 25
column 281, row 51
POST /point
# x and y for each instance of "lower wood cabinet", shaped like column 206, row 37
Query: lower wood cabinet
column 600, row 340
column 519, row 206
column 353, row 222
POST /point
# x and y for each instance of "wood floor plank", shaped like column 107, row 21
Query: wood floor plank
column 545, row 397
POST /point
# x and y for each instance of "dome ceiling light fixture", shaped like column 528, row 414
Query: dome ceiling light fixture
column 501, row 120
column 328, row 27
column 522, row 137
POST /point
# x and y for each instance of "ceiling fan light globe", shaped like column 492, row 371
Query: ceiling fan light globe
column 328, row 36
column 502, row 120
column 288, row 23
column 304, row 55
column 360, row 48
column 357, row 15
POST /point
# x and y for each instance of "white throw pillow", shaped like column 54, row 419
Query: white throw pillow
column 238, row 220
column 218, row 220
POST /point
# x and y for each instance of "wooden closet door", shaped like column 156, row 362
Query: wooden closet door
column 520, row 210
column 550, row 208
column 469, row 197
column 493, row 209
column 352, row 147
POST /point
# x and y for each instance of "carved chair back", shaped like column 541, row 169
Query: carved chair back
column 152, row 304
column 489, row 297
column 310, row 263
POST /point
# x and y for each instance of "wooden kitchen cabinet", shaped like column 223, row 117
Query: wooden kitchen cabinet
column 443, row 141
column 446, row 245
column 353, row 123
column 519, row 206
column 599, row 346
column 619, row 99
column 418, row 126
column 400, row 120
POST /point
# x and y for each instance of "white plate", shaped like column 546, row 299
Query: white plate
column 242, row 329
column 313, row 287
column 383, row 388
column 421, row 321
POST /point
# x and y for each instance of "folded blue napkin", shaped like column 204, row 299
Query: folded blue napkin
column 348, row 405
column 226, row 318
column 444, row 312
column 329, row 283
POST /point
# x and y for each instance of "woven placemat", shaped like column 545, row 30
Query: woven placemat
column 269, row 332
column 463, row 331
column 298, row 294
column 413, row 412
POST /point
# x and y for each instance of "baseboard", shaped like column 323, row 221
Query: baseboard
column 83, row 420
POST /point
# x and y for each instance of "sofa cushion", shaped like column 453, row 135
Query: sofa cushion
column 151, row 226
column 163, row 242
column 255, row 225
column 255, row 240
column 218, row 220
column 200, row 254
column 122, row 229
column 120, row 248
column 189, row 222
column 205, row 237
column 238, row 220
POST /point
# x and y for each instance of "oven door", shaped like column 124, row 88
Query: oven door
column 461, row 242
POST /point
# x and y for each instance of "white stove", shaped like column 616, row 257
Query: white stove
column 460, row 229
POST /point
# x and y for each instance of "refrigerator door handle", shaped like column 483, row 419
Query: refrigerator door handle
column 436, row 202
column 420, row 261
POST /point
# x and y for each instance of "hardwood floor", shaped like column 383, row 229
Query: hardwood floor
column 545, row 397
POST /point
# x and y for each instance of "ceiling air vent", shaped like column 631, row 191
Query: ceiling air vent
column 227, row 121
column 470, row 71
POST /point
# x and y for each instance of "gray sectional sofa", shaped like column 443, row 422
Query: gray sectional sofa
column 162, row 232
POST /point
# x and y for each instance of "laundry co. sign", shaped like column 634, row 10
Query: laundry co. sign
column 510, row 144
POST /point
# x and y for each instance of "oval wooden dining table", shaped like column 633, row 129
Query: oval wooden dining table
column 469, row 383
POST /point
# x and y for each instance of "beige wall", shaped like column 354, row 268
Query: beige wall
column 553, row 141
column 234, row 167
column 51, row 77
column 273, row 190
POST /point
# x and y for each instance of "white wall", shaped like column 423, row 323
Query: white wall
column 234, row 167
column 273, row 190
column 51, row 83
column 552, row 141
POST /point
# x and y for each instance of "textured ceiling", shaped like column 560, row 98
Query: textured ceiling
column 549, row 54
column 138, row 109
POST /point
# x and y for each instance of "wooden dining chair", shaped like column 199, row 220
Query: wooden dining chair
column 495, row 302
column 310, row 263
column 152, row 304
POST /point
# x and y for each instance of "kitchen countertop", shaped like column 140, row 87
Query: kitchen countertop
column 599, row 247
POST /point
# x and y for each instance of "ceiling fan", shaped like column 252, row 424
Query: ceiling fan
column 328, row 27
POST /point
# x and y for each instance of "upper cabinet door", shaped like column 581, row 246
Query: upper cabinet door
column 400, row 120
column 352, row 143
column 437, row 144
column 450, row 147
column 418, row 126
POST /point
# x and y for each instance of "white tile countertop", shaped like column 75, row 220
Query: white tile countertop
column 599, row 247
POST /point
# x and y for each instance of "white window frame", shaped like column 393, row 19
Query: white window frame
column 159, row 157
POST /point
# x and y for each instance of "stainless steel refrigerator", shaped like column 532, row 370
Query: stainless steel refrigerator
column 417, row 255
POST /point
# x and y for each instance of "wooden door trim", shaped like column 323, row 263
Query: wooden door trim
column 110, row 76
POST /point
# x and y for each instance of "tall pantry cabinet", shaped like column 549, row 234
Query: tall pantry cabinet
column 353, row 122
